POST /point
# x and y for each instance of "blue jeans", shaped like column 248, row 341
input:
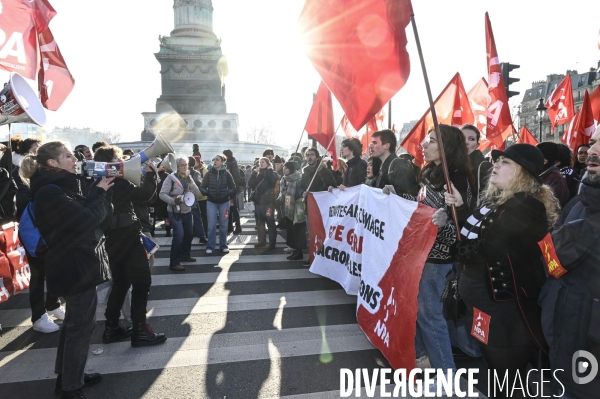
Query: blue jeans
column 214, row 211
column 181, row 223
column 433, row 337
column 198, row 226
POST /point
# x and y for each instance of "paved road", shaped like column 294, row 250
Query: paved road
column 248, row 324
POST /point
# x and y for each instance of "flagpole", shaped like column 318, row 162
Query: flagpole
column 390, row 115
column 320, row 163
column 435, row 124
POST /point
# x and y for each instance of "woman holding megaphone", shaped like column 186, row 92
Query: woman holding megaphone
column 129, row 263
column 75, row 260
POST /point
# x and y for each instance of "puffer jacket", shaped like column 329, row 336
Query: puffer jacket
column 218, row 185
column 174, row 187
column 73, row 226
column 263, row 183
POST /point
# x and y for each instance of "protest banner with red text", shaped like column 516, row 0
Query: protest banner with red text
column 375, row 245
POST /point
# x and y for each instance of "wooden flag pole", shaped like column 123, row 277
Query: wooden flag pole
column 435, row 124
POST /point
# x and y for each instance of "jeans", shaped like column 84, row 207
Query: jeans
column 198, row 225
column 75, row 338
column 222, row 211
column 261, row 219
column 130, row 268
column 181, row 223
column 204, row 218
column 36, row 290
column 433, row 337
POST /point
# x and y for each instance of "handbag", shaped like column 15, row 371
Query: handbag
column 454, row 307
column 300, row 211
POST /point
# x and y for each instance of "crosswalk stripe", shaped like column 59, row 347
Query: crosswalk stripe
column 202, row 278
column 37, row 364
column 233, row 257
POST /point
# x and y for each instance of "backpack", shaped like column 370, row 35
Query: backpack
column 30, row 234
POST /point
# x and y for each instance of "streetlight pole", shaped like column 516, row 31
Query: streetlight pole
column 541, row 108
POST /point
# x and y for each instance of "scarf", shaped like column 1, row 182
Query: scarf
column 290, row 189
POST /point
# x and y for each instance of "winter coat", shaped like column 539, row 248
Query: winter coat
column 398, row 173
column 174, row 187
column 160, row 206
column 218, row 185
column 572, row 180
column 322, row 182
column 356, row 173
column 234, row 169
column 556, row 181
column 290, row 186
column 23, row 196
column 76, row 259
column 571, row 303
column 263, row 183
column 502, row 269
column 481, row 171
column 125, row 193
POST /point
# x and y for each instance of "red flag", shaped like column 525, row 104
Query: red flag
column 498, row 113
column 525, row 136
column 595, row 103
column 319, row 124
column 42, row 13
column 582, row 127
column 359, row 49
column 478, row 101
column 376, row 122
column 54, row 81
column 560, row 103
column 452, row 108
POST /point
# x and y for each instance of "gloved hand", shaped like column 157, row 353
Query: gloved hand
column 179, row 200
column 389, row 189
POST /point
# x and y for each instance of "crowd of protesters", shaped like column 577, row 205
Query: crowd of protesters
column 505, row 204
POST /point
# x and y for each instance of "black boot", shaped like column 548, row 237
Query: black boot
column 76, row 394
column 88, row 380
column 144, row 336
column 114, row 331
column 296, row 255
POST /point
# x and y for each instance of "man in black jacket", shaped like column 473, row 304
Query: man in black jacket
column 324, row 178
column 396, row 175
column 571, row 302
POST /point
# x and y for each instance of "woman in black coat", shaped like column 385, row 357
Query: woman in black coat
column 76, row 261
column 502, row 264
column 263, row 181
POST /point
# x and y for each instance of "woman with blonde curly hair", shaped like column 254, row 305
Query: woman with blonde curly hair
column 503, row 270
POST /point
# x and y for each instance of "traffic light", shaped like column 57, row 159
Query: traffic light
column 506, row 67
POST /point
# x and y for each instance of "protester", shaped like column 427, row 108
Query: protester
column 373, row 169
column 247, row 174
column 75, row 261
column 196, row 150
column 409, row 158
column 219, row 187
column 278, row 166
column 551, row 175
column 160, row 207
column 99, row 144
column 129, row 263
column 234, row 214
column 202, row 170
column 396, row 174
column 262, row 182
column 291, row 191
column 480, row 167
column 356, row 172
column 503, row 272
column 564, row 162
column 324, row 178
column 85, row 151
column 433, row 338
column 570, row 308
column 268, row 153
column 580, row 158
column 199, row 231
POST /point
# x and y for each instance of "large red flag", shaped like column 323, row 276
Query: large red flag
column 499, row 122
column 478, row 101
column 351, row 133
column 582, row 127
column 42, row 13
column 54, row 81
column 595, row 103
column 319, row 124
column 359, row 49
column 452, row 108
column 560, row 103
column 525, row 136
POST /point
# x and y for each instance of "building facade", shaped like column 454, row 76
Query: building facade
column 528, row 116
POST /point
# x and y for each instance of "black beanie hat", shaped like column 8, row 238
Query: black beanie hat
column 550, row 151
column 291, row 166
column 277, row 159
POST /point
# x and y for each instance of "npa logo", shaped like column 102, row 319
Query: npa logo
column 481, row 325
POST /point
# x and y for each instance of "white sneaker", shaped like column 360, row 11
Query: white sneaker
column 209, row 251
column 288, row 250
column 225, row 250
column 58, row 313
column 45, row 325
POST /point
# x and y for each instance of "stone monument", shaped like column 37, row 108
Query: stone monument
column 191, row 107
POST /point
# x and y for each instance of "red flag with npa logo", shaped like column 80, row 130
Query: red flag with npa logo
column 582, row 127
column 55, row 82
column 525, row 136
column 499, row 122
column 560, row 103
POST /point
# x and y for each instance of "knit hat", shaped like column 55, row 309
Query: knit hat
column 291, row 166
column 550, row 151
column 277, row 159
column 526, row 155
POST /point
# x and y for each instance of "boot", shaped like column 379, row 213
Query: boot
column 296, row 255
column 238, row 230
column 88, row 380
column 114, row 331
column 76, row 394
column 144, row 336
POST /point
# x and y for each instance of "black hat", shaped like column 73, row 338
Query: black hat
column 526, row 155
column 291, row 166
column 277, row 159
column 550, row 151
